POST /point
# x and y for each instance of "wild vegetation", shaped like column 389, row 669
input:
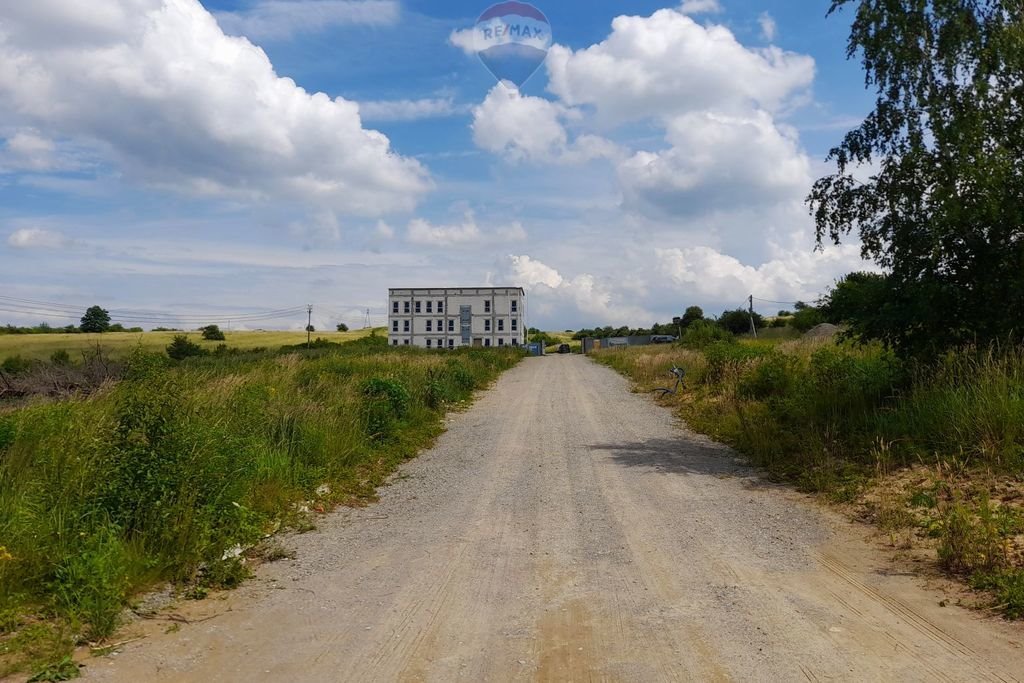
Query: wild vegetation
column 169, row 472
column 932, row 450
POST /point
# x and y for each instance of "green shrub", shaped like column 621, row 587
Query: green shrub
column 807, row 319
column 722, row 356
column 460, row 376
column 970, row 540
column 703, row 333
column 385, row 401
column 1008, row 588
column 181, row 348
column 15, row 364
column 213, row 333
column 436, row 389
column 60, row 357
column 773, row 376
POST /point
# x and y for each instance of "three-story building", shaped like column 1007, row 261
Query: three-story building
column 448, row 318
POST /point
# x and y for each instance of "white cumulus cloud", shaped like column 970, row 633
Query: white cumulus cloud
column 526, row 128
column 466, row 232
column 716, row 162
column 177, row 103
column 464, row 39
column 798, row 275
column 668, row 64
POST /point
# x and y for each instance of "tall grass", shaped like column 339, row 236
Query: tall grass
column 786, row 404
column 159, row 475
column 830, row 417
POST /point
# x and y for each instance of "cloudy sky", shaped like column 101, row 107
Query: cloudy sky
column 224, row 157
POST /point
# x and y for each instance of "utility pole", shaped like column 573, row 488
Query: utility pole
column 309, row 325
column 753, row 327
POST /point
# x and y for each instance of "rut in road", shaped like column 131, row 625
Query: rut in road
column 565, row 529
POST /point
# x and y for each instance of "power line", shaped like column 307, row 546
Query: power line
column 58, row 310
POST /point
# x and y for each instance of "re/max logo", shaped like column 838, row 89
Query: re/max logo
column 511, row 31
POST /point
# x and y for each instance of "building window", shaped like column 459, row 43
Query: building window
column 515, row 306
column 407, row 308
column 440, row 326
column 406, row 342
column 430, row 343
column 501, row 325
column 440, row 307
column 406, row 327
column 430, row 307
column 451, row 343
column 487, row 306
column 394, row 326
column 417, row 306
column 451, row 325
column 487, row 342
column 515, row 325
column 394, row 307
column 430, row 326
column 487, row 326
column 501, row 342
column 394, row 343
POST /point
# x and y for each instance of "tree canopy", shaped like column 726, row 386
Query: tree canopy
column 942, row 206
column 95, row 319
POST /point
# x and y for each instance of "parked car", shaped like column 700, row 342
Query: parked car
column 564, row 348
column 662, row 339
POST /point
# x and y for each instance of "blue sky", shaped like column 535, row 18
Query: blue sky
column 234, row 156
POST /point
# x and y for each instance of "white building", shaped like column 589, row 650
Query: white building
column 450, row 318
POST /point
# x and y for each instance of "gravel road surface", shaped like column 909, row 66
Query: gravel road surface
column 564, row 529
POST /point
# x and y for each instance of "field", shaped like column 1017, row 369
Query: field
column 120, row 344
column 176, row 469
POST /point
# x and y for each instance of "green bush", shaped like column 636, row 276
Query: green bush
column 738, row 320
column 385, row 401
column 807, row 319
column 60, row 357
column 773, row 376
column 181, row 348
column 702, row 333
column 722, row 356
column 15, row 364
column 213, row 333
column 1007, row 586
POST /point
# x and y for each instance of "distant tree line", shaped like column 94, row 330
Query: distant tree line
column 852, row 299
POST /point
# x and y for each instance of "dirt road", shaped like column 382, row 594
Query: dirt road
column 564, row 529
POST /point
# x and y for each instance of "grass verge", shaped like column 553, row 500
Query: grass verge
column 933, row 455
column 169, row 473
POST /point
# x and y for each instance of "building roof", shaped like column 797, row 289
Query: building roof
column 485, row 289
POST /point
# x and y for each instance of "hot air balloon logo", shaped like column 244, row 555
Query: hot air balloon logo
column 512, row 40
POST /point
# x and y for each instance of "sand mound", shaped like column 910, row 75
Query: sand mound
column 822, row 331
